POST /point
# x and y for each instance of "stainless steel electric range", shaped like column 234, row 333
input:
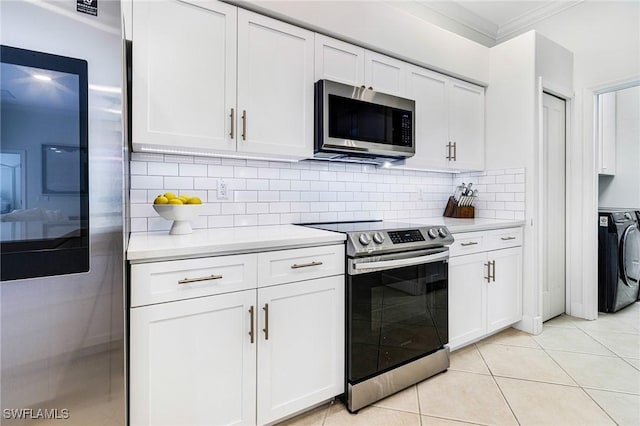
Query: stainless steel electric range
column 396, row 306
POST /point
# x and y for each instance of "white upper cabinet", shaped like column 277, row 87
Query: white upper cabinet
column 338, row 61
column 607, row 133
column 184, row 81
column 449, row 122
column 275, row 87
column 385, row 74
column 429, row 90
column 466, row 125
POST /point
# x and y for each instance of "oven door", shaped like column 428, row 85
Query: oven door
column 396, row 310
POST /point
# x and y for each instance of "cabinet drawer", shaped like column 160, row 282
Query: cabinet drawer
column 503, row 238
column 285, row 266
column 184, row 279
column 467, row 243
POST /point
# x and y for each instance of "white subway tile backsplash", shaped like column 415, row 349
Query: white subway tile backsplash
column 220, row 171
column 279, row 185
column 207, row 160
column 245, row 196
column 172, row 182
column 279, row 207
column 289, row 196
column 138, row 167
column 147, row 182
column 192, row 170
column 505, row 214
column 245, row 172
column 514, row 187
column 505, row 179
column 168, row 158
column 257, row 184
column 309, row 196
column 269, row 219
column 272, row 192
column 233, row 208
column 245, row 220
column 328, row 196
column 309, row 175
column 269, row 196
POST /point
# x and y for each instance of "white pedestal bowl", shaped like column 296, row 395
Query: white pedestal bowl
column 180, row 214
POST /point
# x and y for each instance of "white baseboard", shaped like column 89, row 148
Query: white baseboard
column 529, row 324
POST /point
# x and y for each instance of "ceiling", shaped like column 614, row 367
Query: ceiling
column 487, row 22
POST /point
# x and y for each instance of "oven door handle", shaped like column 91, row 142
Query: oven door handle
column 388, row 264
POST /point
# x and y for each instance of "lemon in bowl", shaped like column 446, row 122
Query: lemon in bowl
column 181, row 210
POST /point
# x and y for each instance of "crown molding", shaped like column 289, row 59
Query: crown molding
column 545, row 11
column 463, row 16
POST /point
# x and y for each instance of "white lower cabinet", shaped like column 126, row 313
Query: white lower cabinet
column 485, row 289
column 192, row 362
column 298, row 364
column 248, row 357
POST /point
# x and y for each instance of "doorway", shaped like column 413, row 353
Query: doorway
column 553, row 195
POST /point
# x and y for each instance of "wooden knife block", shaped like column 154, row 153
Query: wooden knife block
column 454, row 210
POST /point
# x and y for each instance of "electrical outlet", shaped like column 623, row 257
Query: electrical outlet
column 222, row 191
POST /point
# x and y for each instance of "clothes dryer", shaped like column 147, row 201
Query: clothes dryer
column 618, row 259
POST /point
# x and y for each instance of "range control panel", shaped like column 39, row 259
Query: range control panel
column 362, row 243
column 408, row 236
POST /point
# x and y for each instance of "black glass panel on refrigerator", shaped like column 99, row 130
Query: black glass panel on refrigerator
column 44, row 217
column 395, row 317
column 365, row 121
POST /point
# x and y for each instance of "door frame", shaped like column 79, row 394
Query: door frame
column 586, row 244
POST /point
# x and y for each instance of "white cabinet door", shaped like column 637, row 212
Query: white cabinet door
column 467, row 298
column 192, row 362
column 384, row 74
column 338, row 61
column 301, row 361
column 184, row 76
column 428, row 89
column 275, row 87
column 466, row 125
column 607, row 133
column 504, row 292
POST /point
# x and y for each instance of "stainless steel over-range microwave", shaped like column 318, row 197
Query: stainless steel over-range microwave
column 359, row 124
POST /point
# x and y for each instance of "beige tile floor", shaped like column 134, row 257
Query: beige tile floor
column 576, row 372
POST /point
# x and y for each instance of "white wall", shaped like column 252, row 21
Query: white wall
column 387, row 29
column 623, row 189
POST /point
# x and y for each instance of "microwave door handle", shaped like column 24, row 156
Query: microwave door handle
column 388, row 264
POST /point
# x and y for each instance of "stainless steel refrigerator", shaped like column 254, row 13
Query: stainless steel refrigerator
column 63, row 157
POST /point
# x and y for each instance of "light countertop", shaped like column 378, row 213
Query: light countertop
column 152, row 246
column 467, row 225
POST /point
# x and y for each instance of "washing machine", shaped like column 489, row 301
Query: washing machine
column 618, row 259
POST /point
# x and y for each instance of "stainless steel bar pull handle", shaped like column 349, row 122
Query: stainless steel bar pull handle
column 448, row 157
column 244, row 125
column 305, row 265
column 195, row 280
column 251, row 329
column 493, row 263
column 507, row 238
column 233, row 116
column 488, row 277
column 455, row 152
column 470, row 243
column 266, row 321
